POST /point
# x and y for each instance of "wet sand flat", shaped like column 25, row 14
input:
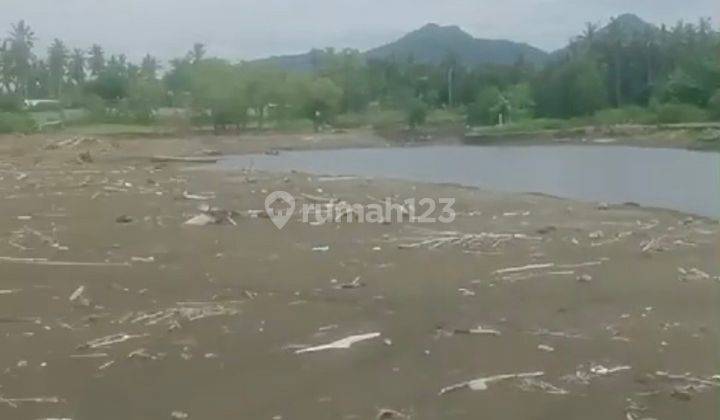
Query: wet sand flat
column 598, row 312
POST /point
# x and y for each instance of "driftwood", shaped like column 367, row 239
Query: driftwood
column 479, row 330
column 482, row 384
column 345, row 343
column 200, row 197
column 183, row 159
column 318, row 199
column 110, row 340
column 524, row 268
column 45, row 261
column 13, row 402
column 533, row 384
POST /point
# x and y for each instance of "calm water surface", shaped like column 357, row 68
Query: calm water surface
column 677, row 179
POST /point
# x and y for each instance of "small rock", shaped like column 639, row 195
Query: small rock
column 124, row 219
column 85, row 157
column 681, row 394
column 597, row 235
column 546, row 348
column 584, row 278
column 547, row 229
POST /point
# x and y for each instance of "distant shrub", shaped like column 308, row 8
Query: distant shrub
column 485, row 109
column 376, row 118
column 626, row 115
column 16, row 122
column 674, row 113
column 445, row 117
column 417, row 113
column 352, row 120
column 714, row 105
column 10, row 103
column 95, row 105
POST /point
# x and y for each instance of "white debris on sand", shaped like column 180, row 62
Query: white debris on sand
column 345, row 343
column 524, row 268
column 534, row 384
column 583, row 377
column 481, row 384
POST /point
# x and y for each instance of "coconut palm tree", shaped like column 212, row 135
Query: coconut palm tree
column 96, row 60
column 76, row 67
column 57, row 65
column 22, row 41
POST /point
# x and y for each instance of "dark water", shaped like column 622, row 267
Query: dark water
column 670, row 178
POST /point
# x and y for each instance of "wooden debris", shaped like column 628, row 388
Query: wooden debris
column 524, row 268
column 199, row 197
column 213, row 216
column 355, row 284
column 345, row 343
column 183, row 159
column 692, row 274
column 389, row 413
column 481, row 384
column 110, row 340
column 14, row 402
column 89, row 356
column 470, row 241
column 46, row 262
column 546, row 348
column 9, row 291
column 534, row 384
column 561, row 334
column 78, row 297
column 479, row 330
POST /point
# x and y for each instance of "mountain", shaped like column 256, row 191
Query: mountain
column 431, row 44
column 625, row 26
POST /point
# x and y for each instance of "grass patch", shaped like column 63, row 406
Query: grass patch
column 99, row 129
column 680, row 113
column 16, row 122
column 625, row 115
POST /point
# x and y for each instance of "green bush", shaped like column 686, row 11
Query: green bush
column 445, row 117
column 16, row 122
column 714, row 105
column 674, row 113
column 626, row 115
column 375, row 117
column 95, row 105
column 417, row 113
column 10, row 103
column 485, row 109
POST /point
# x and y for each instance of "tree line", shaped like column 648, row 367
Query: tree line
column 617, row 67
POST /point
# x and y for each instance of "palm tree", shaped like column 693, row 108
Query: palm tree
column 22, row 41
column 613, row 48
column 96, row 60
column 197, row 53
column 76, row 68
column 149, row 67
column 6, row 77
column 57, row 65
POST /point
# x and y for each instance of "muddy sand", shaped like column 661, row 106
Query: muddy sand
column 525, row 307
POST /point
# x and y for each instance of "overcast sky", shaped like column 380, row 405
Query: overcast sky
column 245, row 29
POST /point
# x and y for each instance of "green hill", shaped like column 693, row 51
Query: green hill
column 431, row 44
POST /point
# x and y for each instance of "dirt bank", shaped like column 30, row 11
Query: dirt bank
column 616, row 307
